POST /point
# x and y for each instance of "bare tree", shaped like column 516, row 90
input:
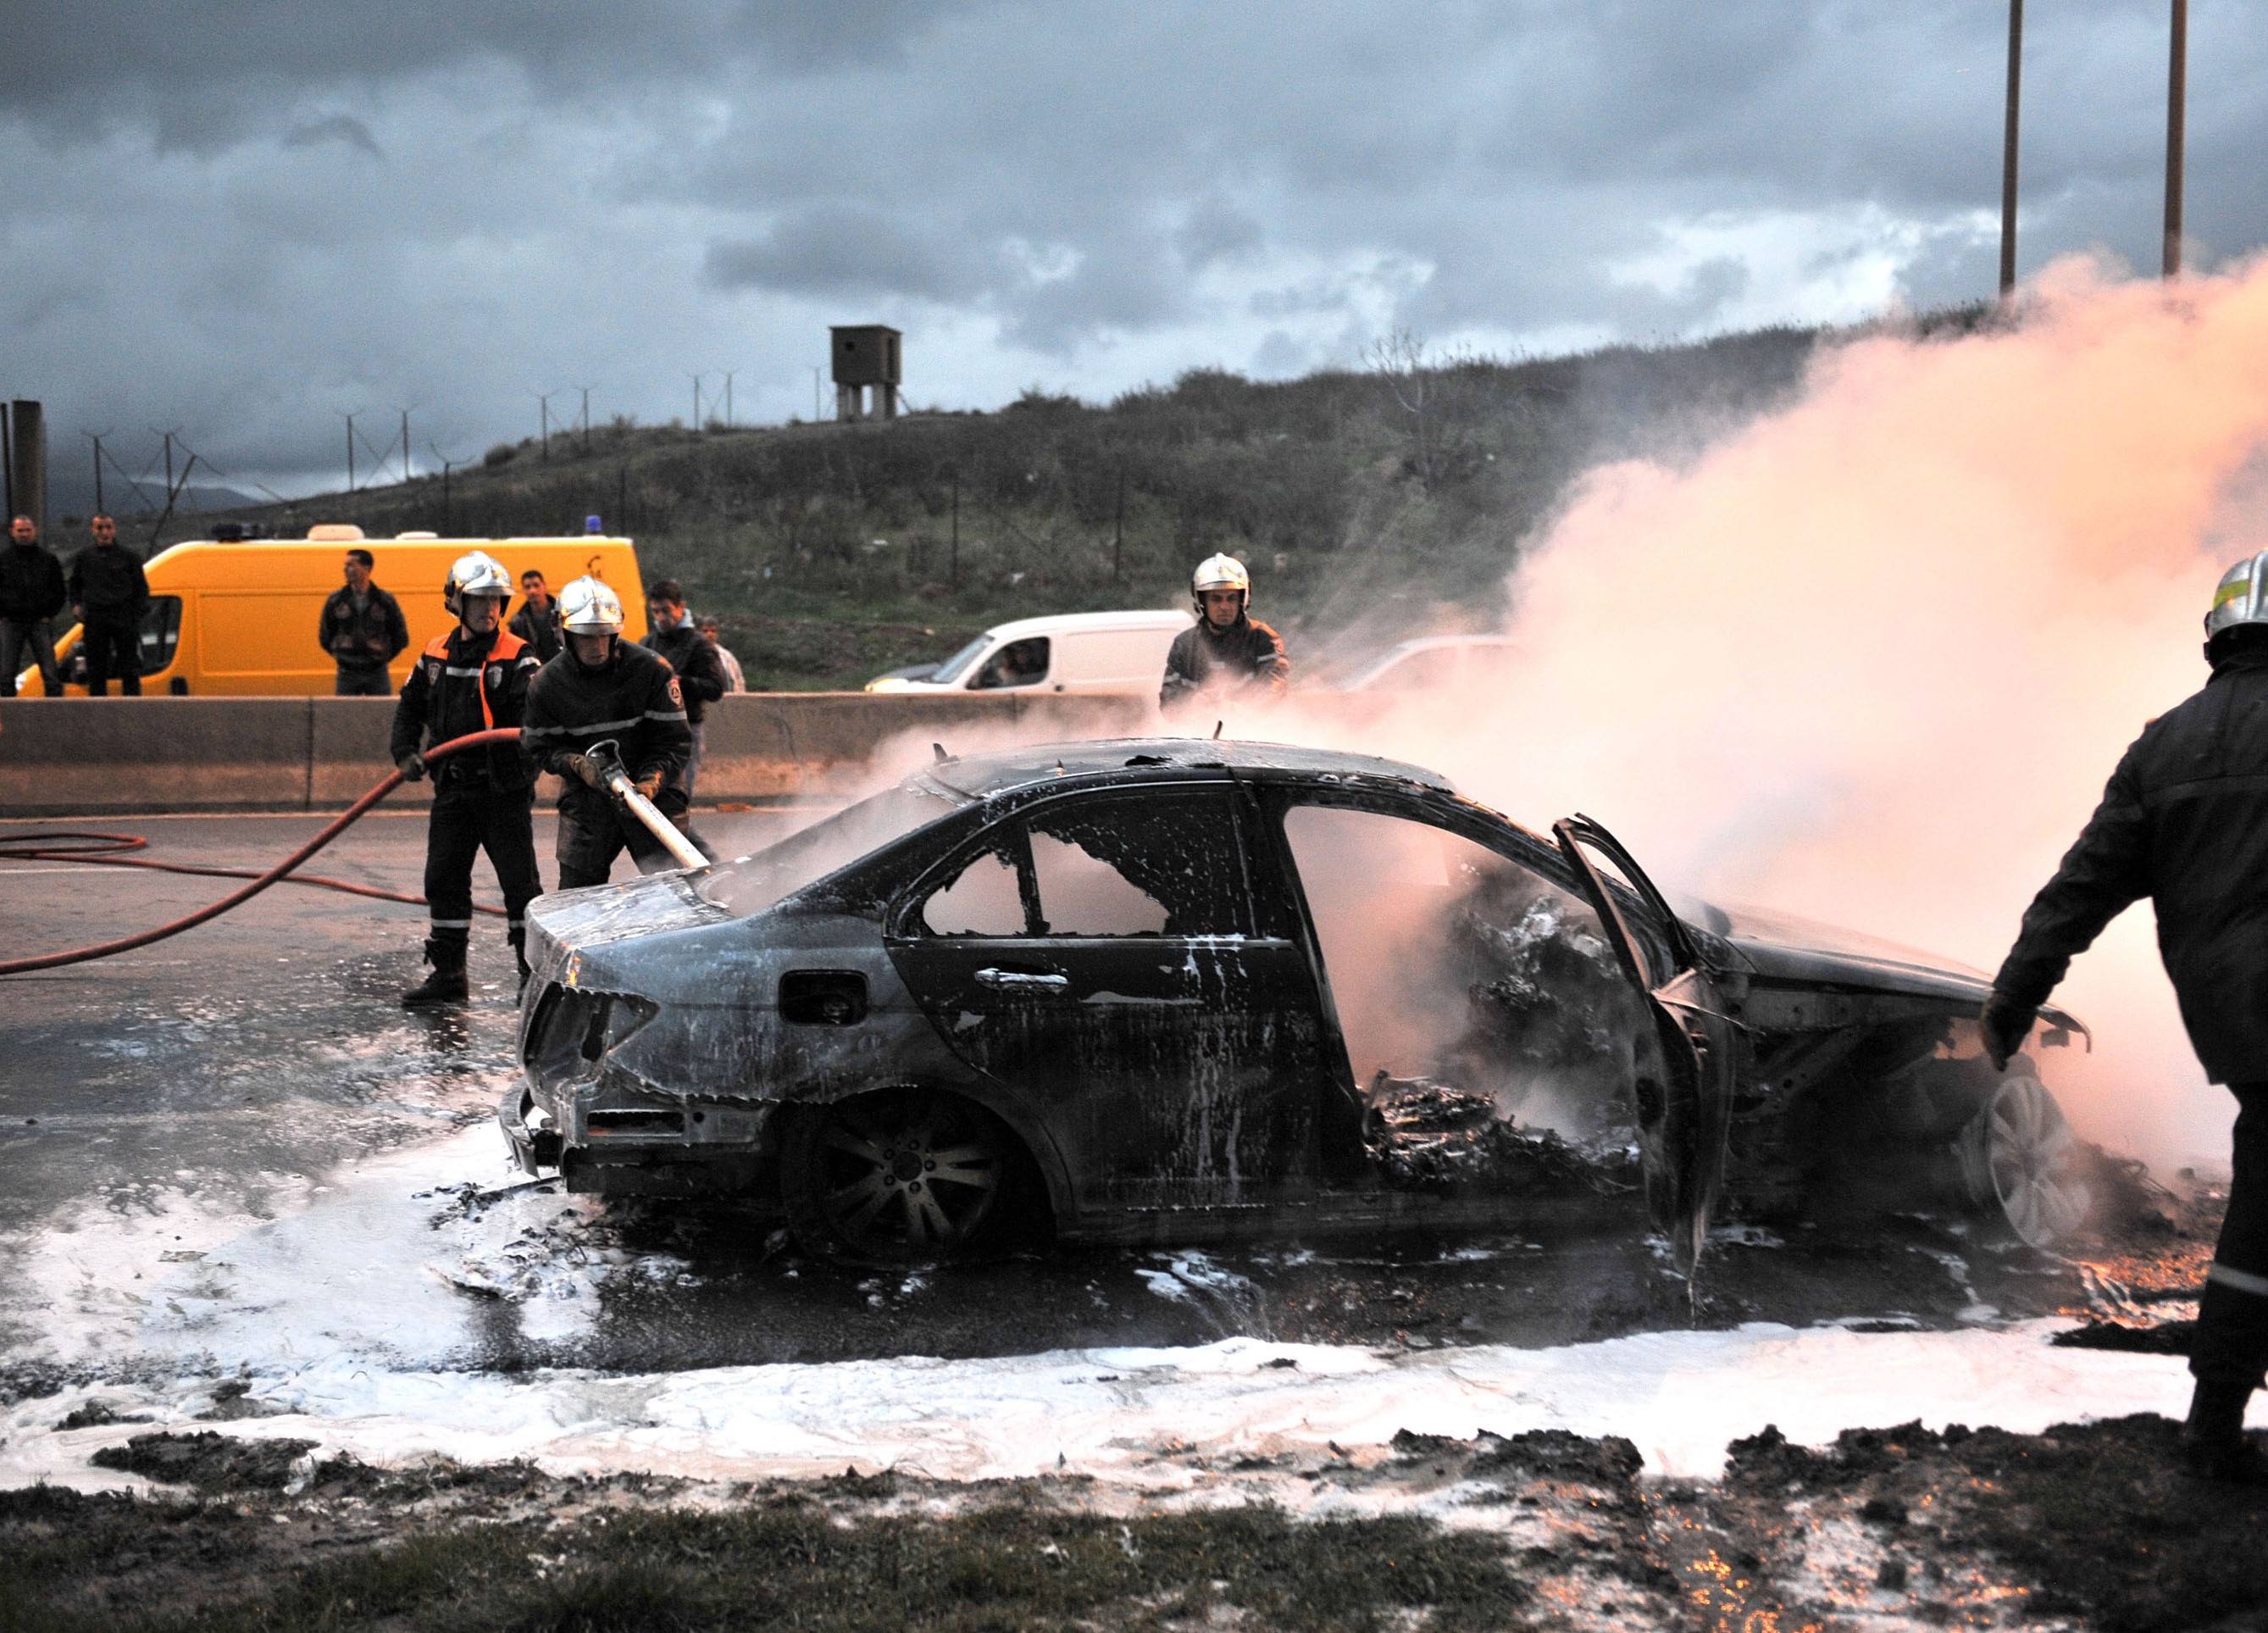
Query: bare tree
column 1399, row 359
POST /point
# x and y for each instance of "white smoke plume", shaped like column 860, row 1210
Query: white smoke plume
column 1870, row 659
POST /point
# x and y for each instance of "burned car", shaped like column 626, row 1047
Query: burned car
column 1167, row 990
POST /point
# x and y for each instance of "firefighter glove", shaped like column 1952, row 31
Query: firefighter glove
column 2005, row 1025
column 584, row 767
column 650, row 786
column 412, row 767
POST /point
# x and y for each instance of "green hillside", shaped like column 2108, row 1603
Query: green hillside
column 1368, row 503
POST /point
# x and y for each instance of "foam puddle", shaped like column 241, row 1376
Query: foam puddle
column 1147, row 1417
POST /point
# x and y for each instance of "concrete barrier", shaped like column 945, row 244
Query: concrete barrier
column 85, row 757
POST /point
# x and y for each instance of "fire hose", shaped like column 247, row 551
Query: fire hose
column 37, row 845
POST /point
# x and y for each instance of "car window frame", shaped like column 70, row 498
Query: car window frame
column 904, row 920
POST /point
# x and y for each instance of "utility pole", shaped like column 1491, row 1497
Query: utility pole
column 100, row 509
column 2177, row 75
column 405, row 445
column 447, row 469
column 586, row 390
column 544, row 401
column 815, row 415
column 2008, row 149
column 696, row 379
column 350, row 419
column 728, row 399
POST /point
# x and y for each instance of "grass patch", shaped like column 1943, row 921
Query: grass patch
column 778, row 1563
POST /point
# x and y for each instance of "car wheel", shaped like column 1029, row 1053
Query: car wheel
column 2023, row 1166
column 895, row 1176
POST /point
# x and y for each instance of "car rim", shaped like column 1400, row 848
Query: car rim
column 907, row 1173
column 2031, row 1158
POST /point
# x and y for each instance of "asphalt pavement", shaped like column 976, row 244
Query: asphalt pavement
column 234, row 1146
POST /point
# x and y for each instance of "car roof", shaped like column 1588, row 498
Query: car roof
column 1069, row 623
column 1138, row 758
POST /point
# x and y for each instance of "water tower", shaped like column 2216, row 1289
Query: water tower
column 866, row 355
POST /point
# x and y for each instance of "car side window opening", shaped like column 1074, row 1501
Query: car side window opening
column 160, row 633
column 1138, row 866
column 984, row 898
column 1019, row 663
column 1449, row 961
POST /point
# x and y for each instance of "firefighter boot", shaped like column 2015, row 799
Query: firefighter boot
column 2214, row 1444
column 447, row 984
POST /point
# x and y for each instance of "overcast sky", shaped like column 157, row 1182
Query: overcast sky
column 242, row 220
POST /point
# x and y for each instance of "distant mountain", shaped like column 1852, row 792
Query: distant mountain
column 71, row 493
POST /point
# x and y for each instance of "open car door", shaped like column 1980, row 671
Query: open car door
column 1682, row 1122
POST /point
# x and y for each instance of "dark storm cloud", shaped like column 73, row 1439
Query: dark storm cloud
column 334, row 207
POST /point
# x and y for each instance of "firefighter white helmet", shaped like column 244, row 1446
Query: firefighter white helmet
column 2243, row 597
column 1216, row 573
column 587, row 607
column 475, row 573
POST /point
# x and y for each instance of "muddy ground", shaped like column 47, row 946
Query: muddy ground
column 2084, row 1526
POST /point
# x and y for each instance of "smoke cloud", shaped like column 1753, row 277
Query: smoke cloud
column 1871, row 659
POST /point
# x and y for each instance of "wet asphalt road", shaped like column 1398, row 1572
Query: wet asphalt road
column 235, row 1142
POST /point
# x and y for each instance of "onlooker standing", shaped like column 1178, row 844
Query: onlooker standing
column 734, row 681
column 700, row 675
column 108, row 595
column 363, row 629
column 537, row 621
column 31, row 594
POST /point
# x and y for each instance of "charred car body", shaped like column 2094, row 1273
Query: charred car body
column 1164, row 990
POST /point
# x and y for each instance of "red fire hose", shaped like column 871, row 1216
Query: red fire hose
column 39, row 844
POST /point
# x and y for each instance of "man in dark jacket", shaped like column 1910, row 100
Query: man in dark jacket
column 700, row 675
column 1228, row 656
column 474, row 678
column 108, row 595
column 363, row 630
column 603, row 687
column 537, row 621
column 2184, row 822
column 31, row 594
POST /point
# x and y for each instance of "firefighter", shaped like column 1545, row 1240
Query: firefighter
column 601, row 687
column 2184, row 822
column 1228, row 655
column 474, row 678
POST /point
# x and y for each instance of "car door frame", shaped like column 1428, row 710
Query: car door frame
column 1685, row 1125
column 903, row 930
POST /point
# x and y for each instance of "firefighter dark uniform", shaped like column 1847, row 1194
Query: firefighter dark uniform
column 633, row 698
column 1246, row 659
column 482, row 799
column 2184, row 822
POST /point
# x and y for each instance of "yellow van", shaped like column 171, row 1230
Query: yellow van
column 240, row 619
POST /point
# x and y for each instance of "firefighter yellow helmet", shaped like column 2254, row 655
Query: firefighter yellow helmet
column 476, row 572
column 1216, row 573
column 587, row 607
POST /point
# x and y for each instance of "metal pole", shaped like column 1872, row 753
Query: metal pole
column 2177, row 73
column 405, row 445
column 2008, row 148
column 351, row 472
column 100, row 509
column 7, row 458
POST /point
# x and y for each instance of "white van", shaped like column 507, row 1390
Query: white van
column 1094, row 652
column 1437, row 663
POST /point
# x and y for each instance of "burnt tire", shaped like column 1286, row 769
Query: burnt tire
column 896, row 1177
column 2024, row 1168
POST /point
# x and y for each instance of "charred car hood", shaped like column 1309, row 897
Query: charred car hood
column 1782, row 947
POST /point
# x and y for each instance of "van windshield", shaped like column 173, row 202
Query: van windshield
column 952, row 670
column 751, row 884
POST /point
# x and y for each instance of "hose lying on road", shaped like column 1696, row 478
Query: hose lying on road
column 235, row 898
